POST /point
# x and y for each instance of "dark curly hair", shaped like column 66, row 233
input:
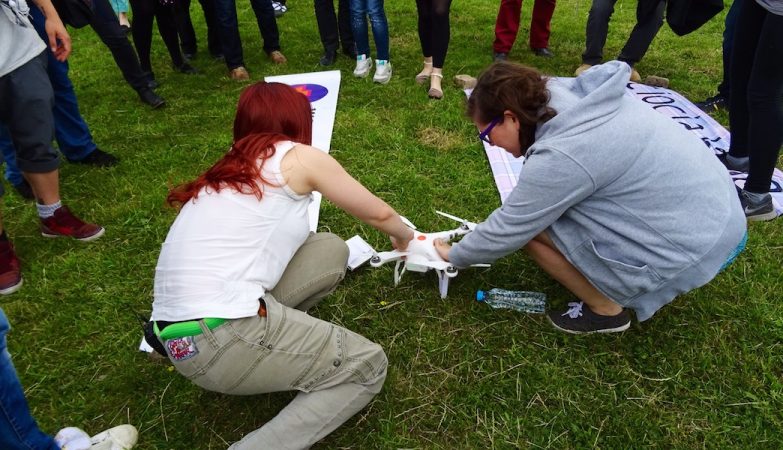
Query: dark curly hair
column 516, row 88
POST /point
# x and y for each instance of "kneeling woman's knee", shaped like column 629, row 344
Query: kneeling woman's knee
column 332, row 249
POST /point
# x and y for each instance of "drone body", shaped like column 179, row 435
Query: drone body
column 421, row 255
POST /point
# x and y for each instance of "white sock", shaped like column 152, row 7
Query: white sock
column 47, row 211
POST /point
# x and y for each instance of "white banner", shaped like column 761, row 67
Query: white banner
column 506, row 168
column 322, row 88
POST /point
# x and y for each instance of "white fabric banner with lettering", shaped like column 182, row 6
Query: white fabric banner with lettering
column 322, row 89
column 506, row 168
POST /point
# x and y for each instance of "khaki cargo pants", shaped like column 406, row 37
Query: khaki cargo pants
column 336, row 370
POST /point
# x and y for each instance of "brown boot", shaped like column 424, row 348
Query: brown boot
column 239, row 74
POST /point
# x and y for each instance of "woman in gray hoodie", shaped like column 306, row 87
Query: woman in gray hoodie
column 618, row 203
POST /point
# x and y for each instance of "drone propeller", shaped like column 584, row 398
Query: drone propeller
column 470, row 225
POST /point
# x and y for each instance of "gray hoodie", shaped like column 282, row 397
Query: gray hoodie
column 636, row 203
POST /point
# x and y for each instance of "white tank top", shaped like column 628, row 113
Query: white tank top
column 226, row 250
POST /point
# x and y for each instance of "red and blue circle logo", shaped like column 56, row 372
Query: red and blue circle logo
column 314, row 92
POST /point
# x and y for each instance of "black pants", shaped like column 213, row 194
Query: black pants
column 187, row 35
column 106, row 26
column 335, row 29
column 638, row 42
column 756, row 102
column 434, row 29
column 144, row 13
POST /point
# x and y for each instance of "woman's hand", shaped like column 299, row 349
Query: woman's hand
column 401, row 244
column 443, row 248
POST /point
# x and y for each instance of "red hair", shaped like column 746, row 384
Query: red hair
column 267, row 113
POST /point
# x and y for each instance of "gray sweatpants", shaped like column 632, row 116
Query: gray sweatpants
column 336, row 370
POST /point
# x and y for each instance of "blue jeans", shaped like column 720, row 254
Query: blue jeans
column 360, row 9
column 18, row 430
column 73, row 135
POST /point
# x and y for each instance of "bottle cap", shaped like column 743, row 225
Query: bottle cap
column 479, row 296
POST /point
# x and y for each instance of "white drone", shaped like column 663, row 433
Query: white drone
column 421, row 255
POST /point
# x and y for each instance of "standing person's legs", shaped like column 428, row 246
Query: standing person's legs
column 359, row 23
column 213, row 34
column 326, row 19
column 313, row 273
column 642, row 36
column 765, row 105
column 344, row 28
column 424, row 27
column 724, row 88
column 380, row 28
column 167, row 28
column 441, row 32
column 105, row 25
column 18, row 429
column 507, row 25
column 540, row 23
column 746, row 36
column 12, row 173
column 596, row 30
column 267, row 24
column 143, row 16
column 228, row 26
column 185, row 31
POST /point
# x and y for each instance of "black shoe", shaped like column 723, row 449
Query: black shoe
column 185, row 68
column 149, row 97
column 151, row 82
column 757, row 206
column 579, row 319
column 189, row 54
column 24, row 190
column 713, row 103
column 217, row 56
column 500, row 56
column 98, row 158
column 327, row 59
column 543, row 52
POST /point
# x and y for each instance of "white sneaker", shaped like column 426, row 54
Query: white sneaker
column 363, row 66
column 72, row 438
column 121, row 437
column 383, row 71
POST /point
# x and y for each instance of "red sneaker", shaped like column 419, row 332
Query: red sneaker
column 64, row 223
column 10, row 276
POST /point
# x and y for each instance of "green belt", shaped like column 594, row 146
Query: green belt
column 185, row 329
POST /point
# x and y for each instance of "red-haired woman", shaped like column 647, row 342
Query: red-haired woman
column 240, row 268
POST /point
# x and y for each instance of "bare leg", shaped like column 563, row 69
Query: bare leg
column 546, row 255
column 46, row 186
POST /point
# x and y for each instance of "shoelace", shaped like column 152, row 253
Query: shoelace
column 574, row 310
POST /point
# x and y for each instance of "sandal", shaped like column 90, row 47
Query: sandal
column 435, row 93
column 424, row 75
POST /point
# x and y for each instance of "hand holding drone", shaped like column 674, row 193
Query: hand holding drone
column 421, row 255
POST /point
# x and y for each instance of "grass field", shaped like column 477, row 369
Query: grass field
column 705, row 372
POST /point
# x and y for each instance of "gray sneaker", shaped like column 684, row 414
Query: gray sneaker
column 757, row 206
column 579, row 319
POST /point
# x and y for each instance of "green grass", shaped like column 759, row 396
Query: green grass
column 705, row 372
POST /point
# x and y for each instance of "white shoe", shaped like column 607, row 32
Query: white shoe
column 363, row 66
column 122, row 437
column 383, row 71
column 72, row 438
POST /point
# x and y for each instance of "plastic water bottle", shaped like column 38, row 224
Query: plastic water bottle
column 523, row 301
